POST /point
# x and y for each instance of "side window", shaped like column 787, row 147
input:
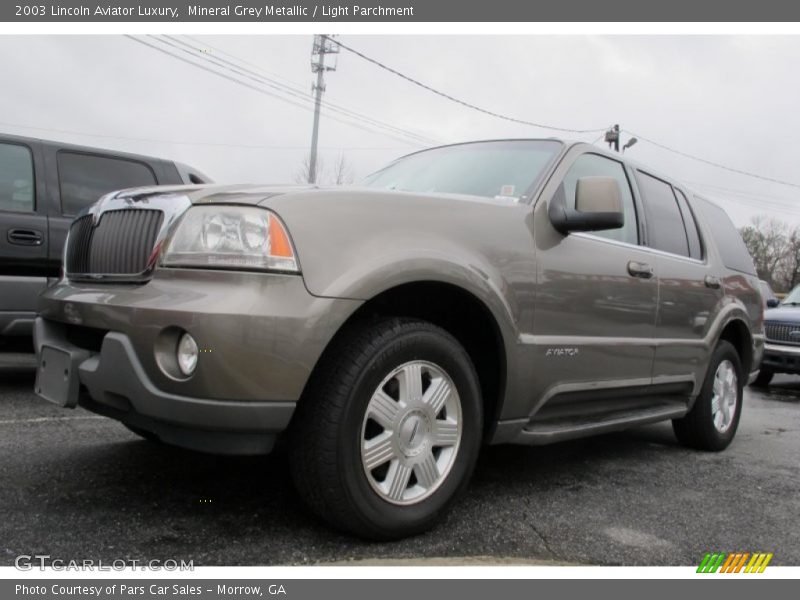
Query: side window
column 16, row 178
column 664, row 220
column 692, row 234
column 727, row 240
column 83, row 178
column 594, row 165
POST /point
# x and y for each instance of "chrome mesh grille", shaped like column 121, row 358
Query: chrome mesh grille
column 120, row 244
column 782, row 332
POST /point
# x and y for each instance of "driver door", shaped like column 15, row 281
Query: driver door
column 596, row 299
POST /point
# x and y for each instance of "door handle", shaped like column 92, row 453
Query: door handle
column 712, row 282
column 25, row 237
column 640, row 269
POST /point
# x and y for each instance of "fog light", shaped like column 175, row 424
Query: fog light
column 187, row 354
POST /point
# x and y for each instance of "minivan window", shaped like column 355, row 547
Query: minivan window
column 594, row 165
column 728, row 241
column 664, row 221
column 692, row 233
column 84, row 178
column 16, row 178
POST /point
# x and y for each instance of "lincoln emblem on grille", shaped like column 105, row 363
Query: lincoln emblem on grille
column 795, row 335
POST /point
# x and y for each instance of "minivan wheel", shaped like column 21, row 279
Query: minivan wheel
column 388, row 433
column 763, row 378
column 714, row 418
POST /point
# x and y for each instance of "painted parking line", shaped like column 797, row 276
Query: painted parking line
column 47, row 420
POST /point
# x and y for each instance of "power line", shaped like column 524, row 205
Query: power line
column 261, row 90
column 563, row 129
column 749, row 204
column 187, row 143
column 283, row 88
column 751, row 200
column 457, row 100
column 287, row 89
column 712, row 163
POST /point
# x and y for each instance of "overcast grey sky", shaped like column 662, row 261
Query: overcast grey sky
column 730, row 99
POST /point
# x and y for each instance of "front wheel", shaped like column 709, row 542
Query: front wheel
column 389, row 431
column 714, row 418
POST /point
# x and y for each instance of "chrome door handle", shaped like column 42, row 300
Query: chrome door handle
column 712, row 282
column 640, row 269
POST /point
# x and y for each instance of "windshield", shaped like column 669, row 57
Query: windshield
column 492, row 169
column 793, row 298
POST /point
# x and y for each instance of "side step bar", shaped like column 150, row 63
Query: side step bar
column 549, row 431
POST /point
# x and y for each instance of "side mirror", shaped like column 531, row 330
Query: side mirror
column 772, row 302
column 598, row 206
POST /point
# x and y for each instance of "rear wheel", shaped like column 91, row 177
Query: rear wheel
column 714, row 418
column 389, row 431
column 764, row 378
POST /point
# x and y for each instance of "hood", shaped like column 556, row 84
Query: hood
column 258, row 194
column 783, row 313
column 243, row 193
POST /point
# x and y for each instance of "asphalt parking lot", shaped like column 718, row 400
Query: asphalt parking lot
column 76, row 487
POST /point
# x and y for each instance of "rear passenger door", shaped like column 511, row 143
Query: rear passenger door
column 78, row 179
column 688, row 293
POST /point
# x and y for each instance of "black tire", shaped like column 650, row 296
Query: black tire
column 764, row 378
column 143, row 433
column 326, row 431
column 697, row 429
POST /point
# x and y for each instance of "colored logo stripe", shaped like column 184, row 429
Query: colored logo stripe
column 734, row 562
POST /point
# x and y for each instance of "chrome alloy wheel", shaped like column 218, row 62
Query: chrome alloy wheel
column 411, row 433
column 726, row 396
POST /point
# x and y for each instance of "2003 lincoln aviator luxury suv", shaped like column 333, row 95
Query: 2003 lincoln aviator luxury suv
column 513, row 291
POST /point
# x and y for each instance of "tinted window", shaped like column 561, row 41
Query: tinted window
column 692, row 233
column 729, row 243
column 594, row 165
column 490, row 169
column 664, row 220
column 16, row 178
column 84, row 178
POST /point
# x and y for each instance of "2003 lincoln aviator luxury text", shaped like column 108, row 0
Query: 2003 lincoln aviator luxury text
column 516, row 291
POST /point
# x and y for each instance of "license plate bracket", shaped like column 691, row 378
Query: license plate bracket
column 57, row 375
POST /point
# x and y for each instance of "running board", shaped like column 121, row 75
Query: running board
column 548, row 431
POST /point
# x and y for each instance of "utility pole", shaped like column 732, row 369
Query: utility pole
column 323, row 45
column 612, row 137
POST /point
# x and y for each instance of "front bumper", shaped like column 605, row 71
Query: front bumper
column 781, row 358
column 261, row 336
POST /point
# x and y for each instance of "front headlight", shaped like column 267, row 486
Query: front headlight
column 231, row 237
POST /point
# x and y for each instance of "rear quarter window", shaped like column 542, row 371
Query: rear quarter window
column 84, row 178
column 731, row 247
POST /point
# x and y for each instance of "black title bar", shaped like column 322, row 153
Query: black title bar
column 398, row 11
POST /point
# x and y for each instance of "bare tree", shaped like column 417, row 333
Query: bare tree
column 775, row 248
column 792, row 271
column 342, row 170
column 302, row 175
column 340, row 174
